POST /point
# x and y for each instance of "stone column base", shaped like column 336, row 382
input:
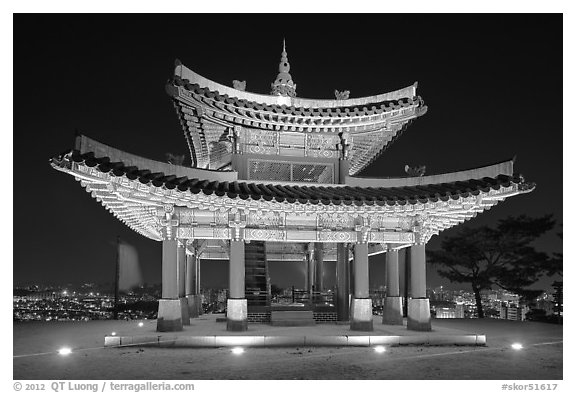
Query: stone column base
column 392, row 311
column 361, row 315
column 169, row 315
column 237, row 315
column 419, row 315
column 193, row 305
column 185, row 313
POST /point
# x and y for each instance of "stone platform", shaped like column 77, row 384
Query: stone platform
column 206, row 332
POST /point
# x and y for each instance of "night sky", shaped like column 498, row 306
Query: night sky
column 492, row 83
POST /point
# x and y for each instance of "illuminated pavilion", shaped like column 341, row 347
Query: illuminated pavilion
column 275, row 178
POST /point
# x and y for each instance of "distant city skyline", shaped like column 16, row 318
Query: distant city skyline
column 109, row 84
column 91, row 302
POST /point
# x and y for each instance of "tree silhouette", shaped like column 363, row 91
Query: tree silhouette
column 275, row 290
column 501, row 256
column 555, row 266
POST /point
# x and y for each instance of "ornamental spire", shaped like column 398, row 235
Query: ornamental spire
column 283, row 85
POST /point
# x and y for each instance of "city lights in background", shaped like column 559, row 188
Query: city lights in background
column 517, row 346
column 379, row 349
column 237, row 350
column 64, row 351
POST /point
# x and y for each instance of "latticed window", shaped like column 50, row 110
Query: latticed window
column 312, row 173
column 269, row 170
column 290, row 171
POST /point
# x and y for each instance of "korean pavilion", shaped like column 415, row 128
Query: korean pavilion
column 276, row 178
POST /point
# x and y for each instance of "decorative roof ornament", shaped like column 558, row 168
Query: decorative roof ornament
column 415, row 171
column 175, row 159
column 239, row 85
column 283, row 85
column 342, row 95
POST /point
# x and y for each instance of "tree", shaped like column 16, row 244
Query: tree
column 275, row 290
column 555, row 266
column 503, row 256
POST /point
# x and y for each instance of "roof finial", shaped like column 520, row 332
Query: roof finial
column 283, row 85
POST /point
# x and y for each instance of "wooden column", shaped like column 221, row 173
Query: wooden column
column 361, row 308
column 191, row 274
column 342, row 283
column 198, row 274
column 311, row 269
column 181, row 257
column 418, row 305
column 319, row 273
column 169, row 270
column 418, row 271
column 169, row 307
column 361, row 290
column 199, row 282
column 237, row 305
column 392, row 310
column 191, row 287
column 392, row 273
column 406, row 280
column 237, row 269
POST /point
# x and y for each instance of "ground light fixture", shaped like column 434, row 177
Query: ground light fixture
column 140, row 324
column 517, row 346
column 237, row 350
column 379, row 349
column 64, row 351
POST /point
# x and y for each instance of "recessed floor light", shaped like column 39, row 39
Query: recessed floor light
column 64, row 351
column 237, row 350
column 379, row 349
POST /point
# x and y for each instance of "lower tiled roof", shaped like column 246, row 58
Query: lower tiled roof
column 325, row 194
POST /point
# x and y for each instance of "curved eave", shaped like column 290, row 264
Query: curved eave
column 185, row 73
column 92, row 149
column 137, row 198
column 504, row 168
column 279, row 117
column 140, row 217
column 307, row 193
column 361, row 158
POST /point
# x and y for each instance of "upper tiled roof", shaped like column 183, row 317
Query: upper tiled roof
column 342, row 109
column 207, row 110
column 183, row 73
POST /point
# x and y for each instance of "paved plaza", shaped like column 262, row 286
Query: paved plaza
column 210, row 331
column 35, row 346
